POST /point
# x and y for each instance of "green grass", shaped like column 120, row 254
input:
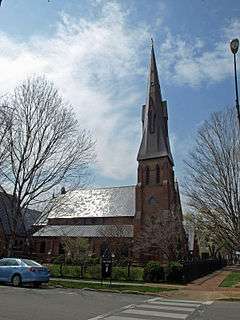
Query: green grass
column 231, row 280
column 113, row 287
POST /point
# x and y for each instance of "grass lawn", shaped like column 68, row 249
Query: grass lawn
column 231, row 280
column 113, row 287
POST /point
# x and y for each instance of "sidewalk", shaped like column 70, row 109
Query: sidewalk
column 209, row 282
column 207, row 288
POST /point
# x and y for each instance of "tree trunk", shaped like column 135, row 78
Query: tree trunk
column 10, row 246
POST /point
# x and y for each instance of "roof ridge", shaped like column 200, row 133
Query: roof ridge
column 103, row 188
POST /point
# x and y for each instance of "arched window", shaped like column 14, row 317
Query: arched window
column 42, row 247
column 61, row 249
column 147, row 175
column 151, row 117
column 150, row 120
column 154, row 123
column 157, row 174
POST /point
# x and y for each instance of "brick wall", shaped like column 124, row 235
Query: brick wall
column 156, row 196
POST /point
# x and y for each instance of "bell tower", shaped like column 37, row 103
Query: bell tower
column 156, row 191
column 155, row 162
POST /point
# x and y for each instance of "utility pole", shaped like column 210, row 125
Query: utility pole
column 234, row 44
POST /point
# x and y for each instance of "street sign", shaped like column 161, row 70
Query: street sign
column 106, row 268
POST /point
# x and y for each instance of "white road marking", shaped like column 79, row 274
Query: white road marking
column 208, row 303
column 103, row 316
column 184, row 301
column 163, row 308
column 123, row 318
column 177, row 300
column 170, row 308
column 157, row 314
column 177, row 304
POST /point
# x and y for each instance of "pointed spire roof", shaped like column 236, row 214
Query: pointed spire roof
column 155, row 141
column 153, row 74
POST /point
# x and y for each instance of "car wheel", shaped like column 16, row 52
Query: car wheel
column 16, row 280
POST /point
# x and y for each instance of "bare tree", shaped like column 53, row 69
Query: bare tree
column 159, row 239
column 77, row 251
column 208, row 238
column 5, row 125
column 45, row 147
column 118, row 240
column 213, row 179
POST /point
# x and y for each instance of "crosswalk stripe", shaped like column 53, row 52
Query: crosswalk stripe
column 123, row 318
column 155, row 307
column 177, row 300
column 156, row 314
column 180, row 304
column 170, row 308
column 104, row 316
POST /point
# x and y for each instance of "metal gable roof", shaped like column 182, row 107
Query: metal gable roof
column 88, row 231
column 90, row 203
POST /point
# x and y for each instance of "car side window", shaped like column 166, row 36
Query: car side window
column 14, row 263
column 2, row 263
column 11, row 263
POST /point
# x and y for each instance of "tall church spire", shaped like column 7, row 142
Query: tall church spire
column 155, row 141
column 153, row 85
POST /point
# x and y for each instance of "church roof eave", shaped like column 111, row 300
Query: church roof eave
column 155, row 156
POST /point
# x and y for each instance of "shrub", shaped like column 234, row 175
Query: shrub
column 136, row 274
column 119, row 273
column 175, row 272
column 54, row 270
column 153, row 272
column 93, row 272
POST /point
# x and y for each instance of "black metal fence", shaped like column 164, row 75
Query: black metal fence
column 193, row 270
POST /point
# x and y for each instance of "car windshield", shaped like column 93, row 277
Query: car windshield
column 31, row 263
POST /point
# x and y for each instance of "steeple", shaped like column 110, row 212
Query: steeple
column 155, row 141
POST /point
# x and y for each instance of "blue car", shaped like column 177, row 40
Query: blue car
column 22, row 271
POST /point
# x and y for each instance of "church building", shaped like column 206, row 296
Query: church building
column 146, row 216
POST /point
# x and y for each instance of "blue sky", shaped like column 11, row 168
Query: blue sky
column 97, row 54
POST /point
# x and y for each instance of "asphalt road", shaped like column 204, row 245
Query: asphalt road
column 75, row 304
column 223, row 311
column 59, row 304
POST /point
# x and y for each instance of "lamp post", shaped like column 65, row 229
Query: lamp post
column 234, row 44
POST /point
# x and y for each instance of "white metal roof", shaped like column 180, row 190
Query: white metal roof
column 87, row 231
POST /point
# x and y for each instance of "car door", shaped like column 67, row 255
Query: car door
column 3, row 270
column 8, row 268
column 12, row 266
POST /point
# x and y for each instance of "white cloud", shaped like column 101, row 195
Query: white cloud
column 94, row 65
column 195, row 62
